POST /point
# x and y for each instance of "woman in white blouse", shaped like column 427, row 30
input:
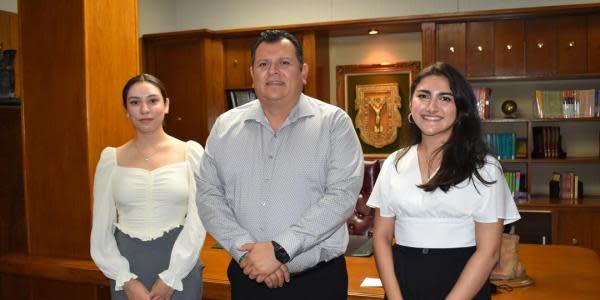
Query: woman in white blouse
column 146, row 234
column 442, row 197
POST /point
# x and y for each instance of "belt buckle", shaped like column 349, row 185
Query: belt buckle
column 425, row 250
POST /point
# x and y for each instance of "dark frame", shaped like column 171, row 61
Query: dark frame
column 347, row 77
column 237, row 97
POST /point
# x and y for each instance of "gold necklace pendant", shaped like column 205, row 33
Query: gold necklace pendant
column 144, row 156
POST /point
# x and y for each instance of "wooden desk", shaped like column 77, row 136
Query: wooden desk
column 559, row 272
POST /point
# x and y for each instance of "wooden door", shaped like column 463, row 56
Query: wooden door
column 572, row 45
column 593, row 43
column 573, row 227
column 509, row 48
column 238, row 61
column 451, row 44
column 540, row 45
column 480, row 49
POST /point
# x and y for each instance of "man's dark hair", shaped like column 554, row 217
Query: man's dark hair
column 272, row 36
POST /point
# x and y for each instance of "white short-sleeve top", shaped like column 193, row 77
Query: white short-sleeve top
column 438, row 219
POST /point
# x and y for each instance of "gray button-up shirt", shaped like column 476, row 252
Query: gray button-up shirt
column 296, row 186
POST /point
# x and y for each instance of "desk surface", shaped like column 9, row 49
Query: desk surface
column 559, row 272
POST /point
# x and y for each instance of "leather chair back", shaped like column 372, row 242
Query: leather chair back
column 361, row 221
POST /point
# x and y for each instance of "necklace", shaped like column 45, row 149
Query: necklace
column 429, row 162
column 144, row 156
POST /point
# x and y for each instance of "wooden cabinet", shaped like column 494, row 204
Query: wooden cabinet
column 572, row 45
column 191, row 67
column 480, row 49
column 509, row 46
column 540, row 47
column 574, row 227
column 593, row 37
column 451, row 43
column 238, row 61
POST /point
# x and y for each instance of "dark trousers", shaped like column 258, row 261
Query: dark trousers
column 425, row 274
column 327, row 281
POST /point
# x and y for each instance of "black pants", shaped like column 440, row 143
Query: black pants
column 425, row 274
column 327, row 281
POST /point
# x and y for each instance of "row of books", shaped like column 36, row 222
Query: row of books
column 502, row 144
column 567, row 103
column 566, row 185
column 514, row 179
column 547, row 142
column 483, row 95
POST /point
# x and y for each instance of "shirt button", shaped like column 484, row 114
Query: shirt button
column 263, row 204
column 270, row 156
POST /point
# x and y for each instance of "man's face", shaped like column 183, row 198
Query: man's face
column 278, row 77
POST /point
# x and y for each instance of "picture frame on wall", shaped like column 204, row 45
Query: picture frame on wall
column 238, row 97
column 376, row 99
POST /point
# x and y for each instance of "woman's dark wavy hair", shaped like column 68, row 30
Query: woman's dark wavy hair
column 143, row 78
column 464, row 152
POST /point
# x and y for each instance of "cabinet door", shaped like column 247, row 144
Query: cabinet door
column 451, row 44
column 238, row 61
column 593, row 38
column 572, row 45
column 480, row 49
column 509, row 47
column 574, row 228
column 541, row 46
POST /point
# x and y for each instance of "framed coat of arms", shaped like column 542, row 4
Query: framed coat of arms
column 376, row 99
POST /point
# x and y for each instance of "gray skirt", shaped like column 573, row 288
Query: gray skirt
column 147, row 259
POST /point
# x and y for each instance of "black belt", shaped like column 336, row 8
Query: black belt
column 413, row 250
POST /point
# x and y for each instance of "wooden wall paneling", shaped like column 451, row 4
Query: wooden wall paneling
column 451, row 43
column 178, row 63
column 73, row 72
column 14, row 287
column 480, row 49
column 428, row 41
column 238, row 61
column 572, row 44
column 214, row 84
column 316, row 56
column 593, row 39
column 112, row 58
column 541, row 40
column 509, row 48
column 12, row 206
column 57, row 188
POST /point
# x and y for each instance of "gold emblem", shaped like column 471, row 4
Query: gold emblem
column 378, row 116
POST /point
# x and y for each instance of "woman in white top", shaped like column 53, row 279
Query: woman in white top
column 442, row 197
column 146, row 234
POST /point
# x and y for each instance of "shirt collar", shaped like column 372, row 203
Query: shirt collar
column 303, row 108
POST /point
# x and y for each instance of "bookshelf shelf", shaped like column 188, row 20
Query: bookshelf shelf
column 568, row 160
column 541, row 202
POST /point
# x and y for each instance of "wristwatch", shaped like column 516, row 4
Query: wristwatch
column 280, row 254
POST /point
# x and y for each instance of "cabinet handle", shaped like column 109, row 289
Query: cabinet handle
column 508, row 47
column 574, row 241
column 479, row 48
column 540, row 45
column 571, row 43
column 179, row 118
column 452, row 49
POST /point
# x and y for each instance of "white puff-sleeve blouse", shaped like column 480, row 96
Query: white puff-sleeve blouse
column 145, row 204
column 440, row 219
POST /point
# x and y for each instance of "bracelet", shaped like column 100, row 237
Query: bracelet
column 242, row 257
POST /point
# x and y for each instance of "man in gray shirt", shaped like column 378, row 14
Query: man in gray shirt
column 278, row 179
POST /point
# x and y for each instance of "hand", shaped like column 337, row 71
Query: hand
column 161, row 291
column 278, row 278
column 135, row 290
column 259, row 261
